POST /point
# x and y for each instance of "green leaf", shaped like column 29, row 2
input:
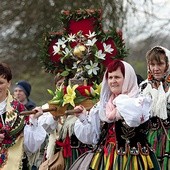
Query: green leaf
column 65, row 73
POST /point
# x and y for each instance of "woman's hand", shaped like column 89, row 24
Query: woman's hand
column 81, row 109
column 38, row 113
column 2, row 136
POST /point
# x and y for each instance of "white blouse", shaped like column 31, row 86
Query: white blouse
column 87, row 127
column 35, row 133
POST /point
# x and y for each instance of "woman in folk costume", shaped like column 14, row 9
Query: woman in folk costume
column 157, row 85
column 12, row 139
column 61, row 133
column 63, row 136
column 126, row 145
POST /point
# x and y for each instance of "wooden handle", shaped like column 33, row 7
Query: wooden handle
column 26, row 113
column 67, row 112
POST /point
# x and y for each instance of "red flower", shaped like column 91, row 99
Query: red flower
column 85, row 25
column 73, row 44
column 55, row 58
column 82, row 89
column 109, row 57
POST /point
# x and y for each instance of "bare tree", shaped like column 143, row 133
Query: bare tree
column 23, row 22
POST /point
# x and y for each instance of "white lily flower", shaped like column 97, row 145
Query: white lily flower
column 107, row 48
column 66, row 52
column 61, row 42
column 91, row 42
column 71, row 37
column 92, row 68
column 56, row 49
column 100, row 55
column 91, row 35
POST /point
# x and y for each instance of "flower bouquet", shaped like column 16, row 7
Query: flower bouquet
column 68, row 97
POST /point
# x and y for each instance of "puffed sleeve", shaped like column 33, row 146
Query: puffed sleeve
column 47, row 120
column 134, row 110
column 35, row 132
column 87, row 127
column 34, row 136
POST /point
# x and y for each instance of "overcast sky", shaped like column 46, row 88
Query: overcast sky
column 152, row 18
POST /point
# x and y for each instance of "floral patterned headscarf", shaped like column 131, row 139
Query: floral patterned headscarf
column 159, row 96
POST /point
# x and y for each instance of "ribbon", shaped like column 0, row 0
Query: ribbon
column 66, row 147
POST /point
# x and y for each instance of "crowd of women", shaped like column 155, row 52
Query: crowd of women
column 129, row 128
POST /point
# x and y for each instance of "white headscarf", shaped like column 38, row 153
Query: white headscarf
column 159, row 96
column 130, row 88
column 167, row 52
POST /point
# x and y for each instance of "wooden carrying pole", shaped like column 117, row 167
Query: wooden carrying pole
column 53, row 111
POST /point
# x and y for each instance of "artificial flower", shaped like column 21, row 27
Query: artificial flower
column 81, row 51
column 98, row 88
column 107, row 48
column 71, row 37
column 87, row 92
column 92, row 68
column 56, row 49
column 92, row 92
column 91, row 42
column 67, row 52
column 91, row 35
column 70, row 95
column 61, row 42
column 100, row 55
column 84, row 29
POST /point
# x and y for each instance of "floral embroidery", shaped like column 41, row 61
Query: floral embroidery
column 168, row 79
column 8, row 139
column 11, row 130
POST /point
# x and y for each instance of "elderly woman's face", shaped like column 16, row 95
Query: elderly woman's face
column 158, row 68
column 115, row 81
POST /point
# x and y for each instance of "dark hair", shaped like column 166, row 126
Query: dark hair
column 5, row 71
column 155, row 54
column 139, row 79
column 114, row 65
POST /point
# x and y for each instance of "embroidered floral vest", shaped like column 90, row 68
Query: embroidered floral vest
column 12, row 130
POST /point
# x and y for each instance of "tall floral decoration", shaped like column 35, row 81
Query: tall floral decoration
column 80, row 53
column 83, row 49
